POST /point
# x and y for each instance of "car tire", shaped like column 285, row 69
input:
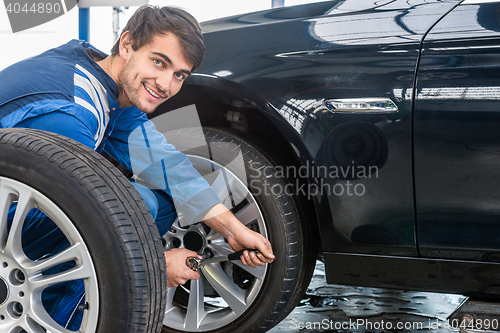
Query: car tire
column 284, row 281
column 114, row 243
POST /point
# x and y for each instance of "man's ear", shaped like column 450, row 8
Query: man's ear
column 125, row 46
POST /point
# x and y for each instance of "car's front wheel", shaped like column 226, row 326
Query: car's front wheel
column 230, row 297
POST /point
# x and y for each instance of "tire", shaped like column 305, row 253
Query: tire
column 268, row 294
column 115, row 246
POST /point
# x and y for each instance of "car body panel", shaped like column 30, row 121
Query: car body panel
column 465, row 277
column 353, row 49
column 457, row 141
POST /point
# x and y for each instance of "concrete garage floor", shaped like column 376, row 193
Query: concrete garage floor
column 333, row 308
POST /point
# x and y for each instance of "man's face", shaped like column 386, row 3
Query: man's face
column 153, row 73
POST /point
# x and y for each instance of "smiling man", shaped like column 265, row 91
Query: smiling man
column 152, row 74
column 99, row 100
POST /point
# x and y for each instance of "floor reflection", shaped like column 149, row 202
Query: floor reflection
column 333, row 308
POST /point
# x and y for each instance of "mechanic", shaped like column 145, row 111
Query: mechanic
column 77, row 91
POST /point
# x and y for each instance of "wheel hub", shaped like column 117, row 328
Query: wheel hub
column 13, row 288
column 4, row 291
column 194, row 241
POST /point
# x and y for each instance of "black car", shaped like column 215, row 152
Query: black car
column 369, row 135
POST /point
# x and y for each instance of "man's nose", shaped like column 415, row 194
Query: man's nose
column 163, row 82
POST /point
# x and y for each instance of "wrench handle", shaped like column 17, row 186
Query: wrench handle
column 236, row 255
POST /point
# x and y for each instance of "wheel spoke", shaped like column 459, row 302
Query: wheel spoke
column 220, row 250
column 30, row 326
column 172, row 311
column 196, row 307
column 175, row 232
column 258, row 272
column 170, row 298
column 214, row 235
column 229, row 190
column 222, row 184
column 175, row 226
column 197, row 227
column 69, row 275
column 5, row 203
column 74, row 252
column 234, row 296
column 13, row 247
column 248, row 213
column 40, row 317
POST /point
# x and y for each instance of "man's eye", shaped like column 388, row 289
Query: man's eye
column 180, row 76
column 158, row 62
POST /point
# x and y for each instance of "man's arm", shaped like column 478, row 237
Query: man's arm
column 240, row 237
column 61, row 123
column 138, row 146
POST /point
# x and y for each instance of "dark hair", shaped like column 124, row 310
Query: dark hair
column 149, row 21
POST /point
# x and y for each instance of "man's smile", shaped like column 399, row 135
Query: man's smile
column 152, row 92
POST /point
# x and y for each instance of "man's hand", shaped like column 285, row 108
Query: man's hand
column 245, row 238
column 177, row 271
column 240, row 237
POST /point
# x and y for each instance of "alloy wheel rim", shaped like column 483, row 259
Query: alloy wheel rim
column 219, row 296
column 24, row 278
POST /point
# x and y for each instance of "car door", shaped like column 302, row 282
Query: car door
column 457, row 135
